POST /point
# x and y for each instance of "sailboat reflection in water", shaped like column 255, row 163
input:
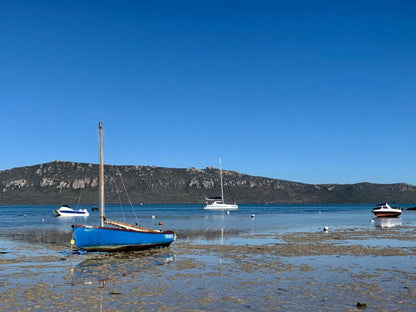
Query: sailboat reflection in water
column 99, row 270
column 117, row 236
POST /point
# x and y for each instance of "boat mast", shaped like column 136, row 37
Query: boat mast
column 101, row 175
column 222, row 187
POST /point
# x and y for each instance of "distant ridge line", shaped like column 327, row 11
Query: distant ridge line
column 58, row 182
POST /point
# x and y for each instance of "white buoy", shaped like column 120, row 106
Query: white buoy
column 153, row 217
column 228, row 212
column 253, row 215
column 325, row 228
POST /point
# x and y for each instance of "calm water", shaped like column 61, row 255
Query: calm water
column 191, row 222
column 267, row 218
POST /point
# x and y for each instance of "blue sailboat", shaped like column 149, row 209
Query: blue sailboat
column 114, row 235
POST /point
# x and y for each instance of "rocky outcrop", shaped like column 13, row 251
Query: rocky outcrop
column 68, row 182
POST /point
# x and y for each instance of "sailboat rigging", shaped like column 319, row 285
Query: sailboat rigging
column 118, row 236
column 217, row 203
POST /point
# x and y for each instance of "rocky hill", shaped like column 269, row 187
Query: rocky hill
column 67, row 182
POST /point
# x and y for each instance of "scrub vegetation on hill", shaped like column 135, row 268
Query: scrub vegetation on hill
column 68, row 182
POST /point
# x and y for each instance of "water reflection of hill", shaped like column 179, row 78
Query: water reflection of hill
column 39, row 235
column 209, row 234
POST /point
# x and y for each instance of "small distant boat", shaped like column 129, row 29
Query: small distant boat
column 95, row 208
column 217, row 203
column 385, row 211
column 118, row 236
column 66, row 211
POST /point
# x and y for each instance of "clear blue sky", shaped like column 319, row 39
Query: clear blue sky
column 307, row 91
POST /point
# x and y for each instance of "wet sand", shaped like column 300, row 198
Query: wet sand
column 318, row 271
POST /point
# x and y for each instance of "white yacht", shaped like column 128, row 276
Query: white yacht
column 217, row 203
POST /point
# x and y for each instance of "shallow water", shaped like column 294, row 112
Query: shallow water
column 220, row 262
column 250, row 224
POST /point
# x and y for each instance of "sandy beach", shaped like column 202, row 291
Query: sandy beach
column 318, row 271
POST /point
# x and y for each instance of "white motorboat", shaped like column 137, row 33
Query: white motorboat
column 66, row 211
column 217, row 203
column 385, row 211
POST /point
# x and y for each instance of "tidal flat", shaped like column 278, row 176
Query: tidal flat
column 300, row 271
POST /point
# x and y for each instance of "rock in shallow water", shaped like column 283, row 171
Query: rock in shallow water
column 361, row 305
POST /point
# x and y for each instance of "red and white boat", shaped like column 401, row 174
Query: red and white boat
column 385, row 211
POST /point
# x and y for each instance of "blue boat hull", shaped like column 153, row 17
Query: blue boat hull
column 93, row 238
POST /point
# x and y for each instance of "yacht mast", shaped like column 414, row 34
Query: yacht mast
column 101, row 176
column 222, row 187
